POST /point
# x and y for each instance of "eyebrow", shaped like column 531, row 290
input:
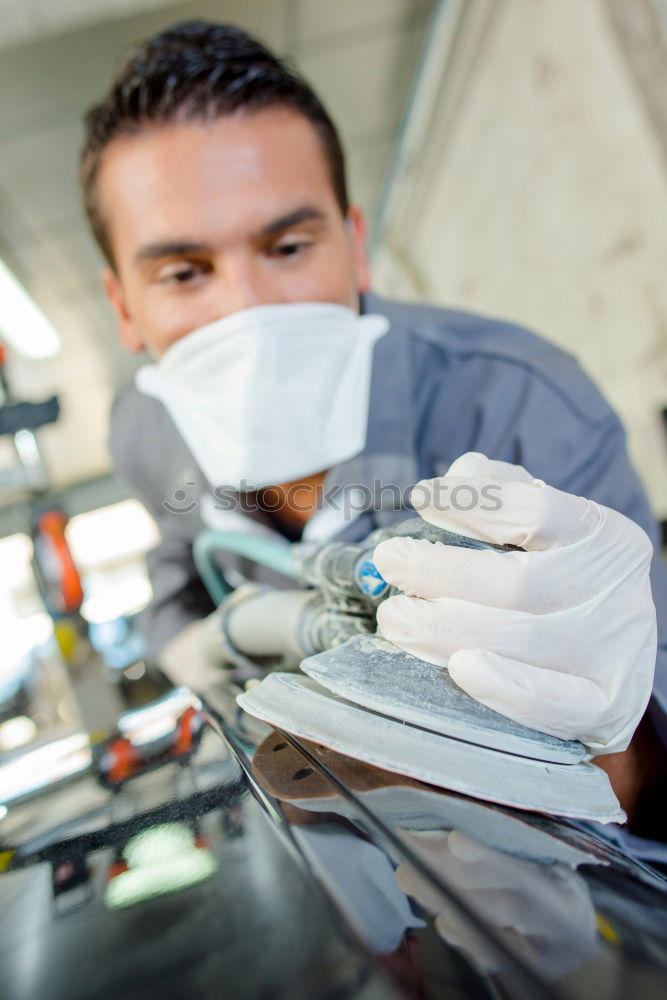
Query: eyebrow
column 176, row 248
column 305, row 213
column 181, row 248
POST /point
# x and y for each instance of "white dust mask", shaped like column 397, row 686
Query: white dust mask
column 270, row 394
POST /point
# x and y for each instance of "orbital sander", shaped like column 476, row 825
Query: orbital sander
column 363, row 696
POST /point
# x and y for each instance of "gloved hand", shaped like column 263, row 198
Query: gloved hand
column 195, row 655
column 543, row 913
column 561, row 637
column 202, row 655
column 255, row 628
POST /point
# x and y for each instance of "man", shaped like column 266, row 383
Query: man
column 214, row 183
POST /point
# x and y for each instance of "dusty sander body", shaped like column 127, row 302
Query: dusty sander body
column 367, row 698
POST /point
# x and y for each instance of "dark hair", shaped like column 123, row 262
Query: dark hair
column 197, row 70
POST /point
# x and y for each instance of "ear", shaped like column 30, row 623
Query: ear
column 126, row 326
column 357, row 227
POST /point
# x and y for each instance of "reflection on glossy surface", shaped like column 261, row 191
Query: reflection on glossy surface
column 38, row 770
column 36, row 687
column 360, row 879
column 526, row 900
column 146, row 738
column 544, row 912
column 291, row 871
column 161, row 860
column 183, row 881
column 151, row 722
column 42, row 740
column 398, row 802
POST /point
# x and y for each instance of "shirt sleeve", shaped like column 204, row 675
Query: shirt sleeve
column 179, row 596
column 139, row 440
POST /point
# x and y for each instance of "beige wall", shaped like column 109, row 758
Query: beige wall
column 542, row 197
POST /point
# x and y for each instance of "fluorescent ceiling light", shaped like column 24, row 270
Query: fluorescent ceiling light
column 22, row 323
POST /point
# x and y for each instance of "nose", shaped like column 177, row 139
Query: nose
column 247, row 284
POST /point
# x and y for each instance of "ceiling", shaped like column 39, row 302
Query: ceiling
column 56, row 58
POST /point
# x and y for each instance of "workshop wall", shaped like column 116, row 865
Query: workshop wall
column 540, row 195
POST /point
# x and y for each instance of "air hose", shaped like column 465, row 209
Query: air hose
column 276, row 555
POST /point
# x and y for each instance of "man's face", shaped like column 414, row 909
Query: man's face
column 206, row 219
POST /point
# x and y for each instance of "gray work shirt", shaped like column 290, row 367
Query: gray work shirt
column 443, row 383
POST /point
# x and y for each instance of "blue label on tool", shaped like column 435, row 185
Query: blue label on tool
column 370, row 580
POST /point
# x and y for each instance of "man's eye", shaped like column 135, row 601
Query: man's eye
column 291, row 249
column 179, row 275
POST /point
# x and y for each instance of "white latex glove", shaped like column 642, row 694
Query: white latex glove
column 561, row 637
column 543, row 913
column 195, row 656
